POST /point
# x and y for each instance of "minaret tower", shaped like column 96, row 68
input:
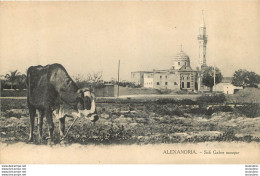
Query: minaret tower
column 202, row 39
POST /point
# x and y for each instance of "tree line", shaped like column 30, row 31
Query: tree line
column 241, row 78
column 95, row 80
column 246, row 78
column 16, row 80
column 13, row 80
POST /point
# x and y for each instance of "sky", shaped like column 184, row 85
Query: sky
column 87, row 37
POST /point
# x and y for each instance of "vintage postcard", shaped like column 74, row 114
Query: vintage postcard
column 173, row 82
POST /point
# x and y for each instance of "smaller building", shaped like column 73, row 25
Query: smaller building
column 148, row 80
column 226, row 86
column 108, row 90
column 138, row 77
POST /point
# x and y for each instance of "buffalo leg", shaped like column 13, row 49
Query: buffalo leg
column 49, row 119
column 62, row 127
column 40, row 123
column 32, row 112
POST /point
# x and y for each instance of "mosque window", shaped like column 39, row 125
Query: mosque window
column 179, row 63
column 160, row 76
column 158, row 83
column 166, row 83
column 175, row 83
column 182, row 84
column 188, row 84
column 185, row 63
column 166, row 77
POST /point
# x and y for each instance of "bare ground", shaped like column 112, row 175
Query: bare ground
column 138, row 123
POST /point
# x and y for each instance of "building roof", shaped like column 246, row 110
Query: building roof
column 185, row 68
column 142, row 72
column 226, row 80
column 181, row 56
column 182, row 69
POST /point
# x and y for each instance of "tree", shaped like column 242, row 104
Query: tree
column 245, row 78
column 208, row 77
column 21, row 81
column 239, row 77
column 253, row 79
column 79, row 78
column 96, row 77
column 93, row 80
column 12, row 77
column 2, row 84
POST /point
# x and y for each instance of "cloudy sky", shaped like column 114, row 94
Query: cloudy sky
column 87, row 37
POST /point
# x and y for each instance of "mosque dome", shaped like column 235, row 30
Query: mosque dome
column 181, row 56
column 180, row 60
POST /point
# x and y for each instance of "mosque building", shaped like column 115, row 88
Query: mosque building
column 180, row 76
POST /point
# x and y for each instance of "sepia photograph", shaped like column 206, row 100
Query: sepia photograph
column 169, row 82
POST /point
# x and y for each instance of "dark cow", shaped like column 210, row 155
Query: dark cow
column 51, row 89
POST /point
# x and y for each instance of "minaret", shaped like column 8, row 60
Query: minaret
column 202, row 38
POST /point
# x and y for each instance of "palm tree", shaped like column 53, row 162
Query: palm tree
column 12, row 77
column 21, row 81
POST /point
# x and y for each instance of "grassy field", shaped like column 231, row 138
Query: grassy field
column 248, row 95
column 143, row 122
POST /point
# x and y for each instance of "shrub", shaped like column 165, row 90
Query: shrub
column 166, row 101
column 187, row 102
column 219, row 98
column 165, row 110
column 228, row 135
column 248, row 95
column 164, row 91
column 181, row 92
column 250, row 110
column 173, row 101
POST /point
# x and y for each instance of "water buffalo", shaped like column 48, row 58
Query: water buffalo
column 51, row 90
